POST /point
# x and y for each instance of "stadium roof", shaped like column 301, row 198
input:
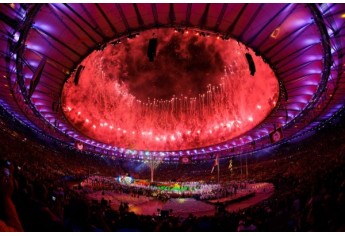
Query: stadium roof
column 303, row 44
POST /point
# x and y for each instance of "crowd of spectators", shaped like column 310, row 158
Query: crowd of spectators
column 37, row 194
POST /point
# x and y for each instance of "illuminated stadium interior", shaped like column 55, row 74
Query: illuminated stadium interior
column 172, row 117
column 195, row 98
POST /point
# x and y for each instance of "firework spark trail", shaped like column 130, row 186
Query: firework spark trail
column 198, row 92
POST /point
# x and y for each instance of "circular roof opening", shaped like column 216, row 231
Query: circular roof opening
column 197, row 91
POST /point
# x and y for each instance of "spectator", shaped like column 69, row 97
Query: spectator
column 9, row 218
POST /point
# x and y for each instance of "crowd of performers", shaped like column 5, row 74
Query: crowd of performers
column 166, row 190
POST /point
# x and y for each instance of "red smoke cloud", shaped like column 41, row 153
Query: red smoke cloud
column 197, row 92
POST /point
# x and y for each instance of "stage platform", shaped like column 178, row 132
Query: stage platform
column 182, row 207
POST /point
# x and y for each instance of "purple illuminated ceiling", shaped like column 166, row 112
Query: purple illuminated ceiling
column 302, row 43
